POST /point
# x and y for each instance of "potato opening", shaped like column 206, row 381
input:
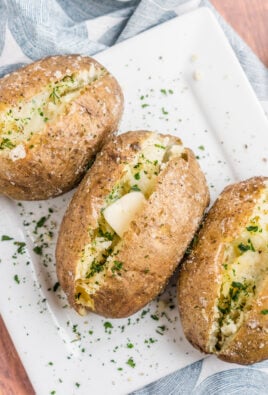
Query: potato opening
column 18, row 124
column 245, row 267
column 122, row 205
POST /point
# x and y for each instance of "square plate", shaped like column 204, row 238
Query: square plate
column 180, row 78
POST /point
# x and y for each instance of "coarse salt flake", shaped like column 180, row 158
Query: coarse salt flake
column 17, row 153
column 197, row 75
column 58, row 74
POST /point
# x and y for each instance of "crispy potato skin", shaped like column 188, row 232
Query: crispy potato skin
column 57, row 156
column 201, row 272
column 156, row 239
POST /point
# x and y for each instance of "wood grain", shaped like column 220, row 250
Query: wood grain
column 250, row 19
column 13, row 379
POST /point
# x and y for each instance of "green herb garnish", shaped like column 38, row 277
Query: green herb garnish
column 54, row 96
column 252, row 228
column 41, row 222
column 131, row 363
column 160, row 146
column 135, row 188
column 6, row 143
column 96, row 267
column 21, row 246
column 56, row 286
column 107, row 325
column 117, row 266
column 106, row 235
column 246, row 247
column 38, row 250
column 5, row 238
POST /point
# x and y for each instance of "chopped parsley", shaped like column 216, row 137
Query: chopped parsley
column 160, row 146
column 54, row 96
column 137, row 176
column 41, row 222
column 5, row 238
column 96, row 267
column 160, row 329
column 237, row 284
column 135, row 188
column 144, row 312
column 150, row 341
column 164, row 111
column 246, row 247
column 264, row 312
column 131, row 363
column 117, row 266
column 6, row 143
column 201, row 147
column 165, row 92
column 21, row 246
column 252, row 228
column 145, row 105
column 38, row 250
column 108, row 326
column 75, row 328
column 16, row 278
column 56, row 286
column 106, row 235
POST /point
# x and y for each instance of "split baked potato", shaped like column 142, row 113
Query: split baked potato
column 223, row 284
column 129, row 223
column 54, row 116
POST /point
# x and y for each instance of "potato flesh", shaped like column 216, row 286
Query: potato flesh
column 140, row 175
column 19, row 124
column 245, row 267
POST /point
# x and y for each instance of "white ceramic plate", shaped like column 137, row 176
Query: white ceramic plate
column 181, row 78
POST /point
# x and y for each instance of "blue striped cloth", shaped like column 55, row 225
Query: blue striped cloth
column 31, row 29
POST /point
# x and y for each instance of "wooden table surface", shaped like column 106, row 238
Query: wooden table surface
column 249, row 18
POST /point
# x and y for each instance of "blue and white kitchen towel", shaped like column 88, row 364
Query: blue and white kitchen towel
column 32, row 29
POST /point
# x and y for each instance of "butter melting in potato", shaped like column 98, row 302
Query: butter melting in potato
column 129, row 223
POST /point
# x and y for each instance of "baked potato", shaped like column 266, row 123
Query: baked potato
column 129, row 223
column 223, row 283
column 54, row 116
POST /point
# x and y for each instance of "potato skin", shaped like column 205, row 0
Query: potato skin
column 156, row 239
column 57, row 157
column 200, row 275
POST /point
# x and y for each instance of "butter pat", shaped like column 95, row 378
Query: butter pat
column 120, row 214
